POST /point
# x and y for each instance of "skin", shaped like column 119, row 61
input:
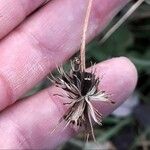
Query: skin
column 30, row 47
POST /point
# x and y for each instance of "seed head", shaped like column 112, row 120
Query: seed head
column 82, row 90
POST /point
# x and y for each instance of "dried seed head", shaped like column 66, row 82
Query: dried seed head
column 82, row 90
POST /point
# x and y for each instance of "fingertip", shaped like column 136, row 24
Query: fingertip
column 119, row 80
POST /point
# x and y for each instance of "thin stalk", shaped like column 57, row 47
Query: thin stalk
column 121, row 21
column 83, row 41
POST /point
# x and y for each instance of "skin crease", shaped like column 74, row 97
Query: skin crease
column 45, row 40
column 33, row 49
column 14, row 12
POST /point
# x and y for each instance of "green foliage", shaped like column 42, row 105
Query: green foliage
column 116, row 45
column 130, row 40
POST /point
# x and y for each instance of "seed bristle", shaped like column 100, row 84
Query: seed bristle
column 81, row 88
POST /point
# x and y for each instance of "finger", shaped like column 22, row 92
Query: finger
column 45, row 40
column 32, row 120
column 14, row 12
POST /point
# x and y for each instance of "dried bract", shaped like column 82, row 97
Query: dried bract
column 82, row 89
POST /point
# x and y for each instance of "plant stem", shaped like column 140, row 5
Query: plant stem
column 121, row 21
column 83, row 41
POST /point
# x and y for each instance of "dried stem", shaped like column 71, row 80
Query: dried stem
column 83, row 42
column 121, row 21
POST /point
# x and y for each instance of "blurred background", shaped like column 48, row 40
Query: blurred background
column 129, row 126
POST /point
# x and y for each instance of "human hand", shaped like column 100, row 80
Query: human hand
column 48, row 37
